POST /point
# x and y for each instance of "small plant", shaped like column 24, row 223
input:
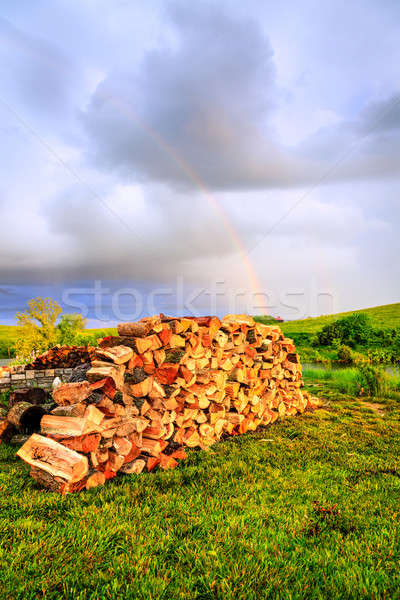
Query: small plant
column 371, row 380
column 25, row 360
column 345, row 355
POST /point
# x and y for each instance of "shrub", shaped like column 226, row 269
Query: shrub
column 345, row 354
column 69, row 328
column 380, row 356
column 352, row 330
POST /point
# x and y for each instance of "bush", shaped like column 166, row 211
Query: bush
column 380, row 356
column 69, row 328
column 345, row 355
column 352, row 330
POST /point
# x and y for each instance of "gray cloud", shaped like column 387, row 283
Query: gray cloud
column 197, row 112
column 36, row 70
column 202, row 112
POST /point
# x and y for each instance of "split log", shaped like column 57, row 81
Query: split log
column 136, row 466
column 116, row 373
column 95, row 479
column 117, row 354
column 72, row 410
column 139, row 330
column 54, row 458
column 72, row 393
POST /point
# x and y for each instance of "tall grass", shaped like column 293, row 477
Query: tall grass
column 364, row 379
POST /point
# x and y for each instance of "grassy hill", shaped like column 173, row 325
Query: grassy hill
column 384, row 316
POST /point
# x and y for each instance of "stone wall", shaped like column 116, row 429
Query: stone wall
column 18, row 378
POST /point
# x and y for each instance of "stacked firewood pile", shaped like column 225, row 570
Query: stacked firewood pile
column 62, row 357
column 161, row 385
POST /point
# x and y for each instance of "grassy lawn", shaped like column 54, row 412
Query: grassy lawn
column 307, row 508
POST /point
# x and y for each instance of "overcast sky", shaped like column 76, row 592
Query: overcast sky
column 243, row 147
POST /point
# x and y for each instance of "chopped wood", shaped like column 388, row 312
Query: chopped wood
column 116, row 354
column 164, row 384
column 7, row 430
column 116, row 373
column 135, row 466
column 95, row 479
column 54, row 458
column 73, row 410
column 140, row 329
column 71, row 393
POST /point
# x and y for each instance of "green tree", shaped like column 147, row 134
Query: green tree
column 352, row 330
column 37, row 324
column 69, row 328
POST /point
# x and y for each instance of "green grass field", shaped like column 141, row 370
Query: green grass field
column 307, row 508
column 386, row 316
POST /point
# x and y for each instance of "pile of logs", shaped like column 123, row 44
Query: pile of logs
column 161, row 385
column 62, row 357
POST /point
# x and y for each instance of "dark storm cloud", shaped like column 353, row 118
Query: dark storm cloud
column 203, row 109
column 196, row 110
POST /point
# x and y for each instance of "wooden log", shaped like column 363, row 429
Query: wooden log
column 152, row 447
column 135, row 466
column 71, row 393
column 114, row 462
column 122, row 445
column 25, row 416
column 95, row 479
column 72, row 410
column 84, row 443
column 139, row 330
column 32, row 395
column 117, row 354
column 47, row 480
column 54, row 458
column 139, row 390
column 167, row 373
column 67, row 426
column 116, row 373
